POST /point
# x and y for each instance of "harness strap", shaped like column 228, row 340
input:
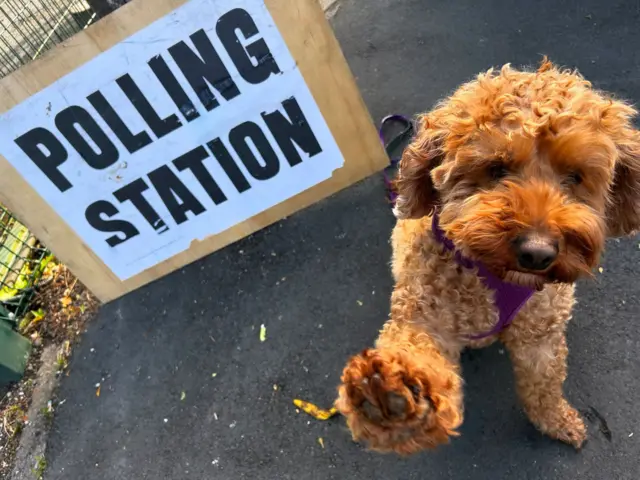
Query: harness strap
column 509, row 298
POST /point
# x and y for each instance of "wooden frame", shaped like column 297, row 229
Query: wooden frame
column 321, row 63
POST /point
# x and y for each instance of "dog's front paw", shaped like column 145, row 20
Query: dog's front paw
column 569, row 427
column 394, row 405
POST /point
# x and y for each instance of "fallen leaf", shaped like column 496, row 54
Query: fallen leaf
column 600, row 269
column 38, row 315
column 360, row 303
column 263, row 333
column 321, row 442
column 183, row 395
column 66, row 301
column 214, row 375
column 98, row 391
column 315, row 411
column 275, row 387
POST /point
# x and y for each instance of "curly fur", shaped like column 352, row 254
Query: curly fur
column 508, row 153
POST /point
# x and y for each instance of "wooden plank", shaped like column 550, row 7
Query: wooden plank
column 321, row 63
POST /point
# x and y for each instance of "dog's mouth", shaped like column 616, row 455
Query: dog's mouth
column 525, row 279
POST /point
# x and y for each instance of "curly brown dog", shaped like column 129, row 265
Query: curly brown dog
column 528, row 173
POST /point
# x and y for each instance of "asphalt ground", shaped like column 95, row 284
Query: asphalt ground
column 320, row 282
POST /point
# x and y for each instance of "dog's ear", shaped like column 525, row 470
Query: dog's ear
column 417, row 196
column 623, row 210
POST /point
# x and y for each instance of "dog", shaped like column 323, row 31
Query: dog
column 506, row 195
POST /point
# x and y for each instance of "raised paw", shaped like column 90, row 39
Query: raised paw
column 393, row 404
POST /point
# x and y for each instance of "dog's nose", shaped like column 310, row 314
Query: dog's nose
column 536, row 252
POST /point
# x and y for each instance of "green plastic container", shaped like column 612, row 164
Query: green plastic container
column 14, row 353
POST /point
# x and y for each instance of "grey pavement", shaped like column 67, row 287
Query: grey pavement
column 320, row 283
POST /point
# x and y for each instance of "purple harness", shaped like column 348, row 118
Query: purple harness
column 509, row 298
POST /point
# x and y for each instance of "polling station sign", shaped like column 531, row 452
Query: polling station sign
column 194, row 124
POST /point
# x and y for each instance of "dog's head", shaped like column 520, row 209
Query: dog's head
column 530, row 172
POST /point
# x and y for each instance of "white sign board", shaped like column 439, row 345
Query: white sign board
column 190, row 126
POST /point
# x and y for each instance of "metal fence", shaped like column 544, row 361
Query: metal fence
column 30, row 27
column 23, row 259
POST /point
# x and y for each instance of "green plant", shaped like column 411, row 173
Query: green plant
column 40, row 467
column 47, row 412
column 30, row 320
column 61, row 361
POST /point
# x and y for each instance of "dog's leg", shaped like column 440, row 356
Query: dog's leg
column 403, row 396
column 540, row 367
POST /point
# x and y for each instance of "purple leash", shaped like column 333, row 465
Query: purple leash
column 509, row 298
column 392, row 145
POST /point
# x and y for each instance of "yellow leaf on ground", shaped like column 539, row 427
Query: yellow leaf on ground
column 66, row 301
column 98, row 391
column 315, row 411
column 321, row 442
column 263, row 333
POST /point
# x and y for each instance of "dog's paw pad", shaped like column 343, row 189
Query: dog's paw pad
column 396, row 402
column 392, row 406
column 396, row 405
column 379, row 385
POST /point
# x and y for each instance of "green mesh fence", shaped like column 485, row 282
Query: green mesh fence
column 28, row 28
column 22, row 261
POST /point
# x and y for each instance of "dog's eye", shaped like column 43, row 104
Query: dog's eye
column 574, row 178
column 498, row 171
column 416, row 390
